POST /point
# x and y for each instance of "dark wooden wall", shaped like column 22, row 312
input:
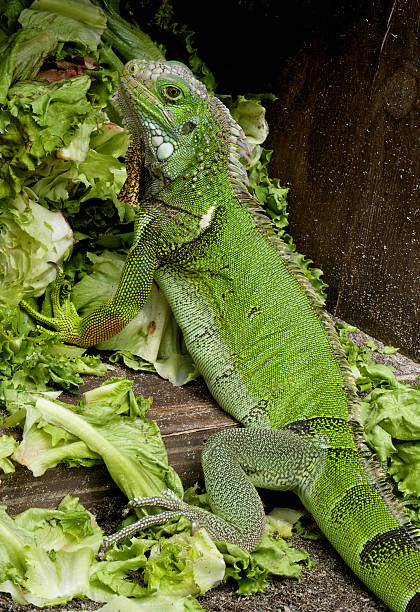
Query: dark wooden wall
column 346, row 139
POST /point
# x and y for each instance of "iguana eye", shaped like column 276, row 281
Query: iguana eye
column 172, row 92
column 132, row 68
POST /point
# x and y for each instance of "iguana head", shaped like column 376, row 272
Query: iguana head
column 178, row 123
column 163, row 105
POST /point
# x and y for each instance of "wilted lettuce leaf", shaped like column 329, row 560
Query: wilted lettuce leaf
column 130, row 446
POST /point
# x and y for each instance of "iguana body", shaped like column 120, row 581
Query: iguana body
column 265, row 348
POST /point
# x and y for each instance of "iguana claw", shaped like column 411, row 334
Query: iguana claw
column 65, row 319
column 174, row 507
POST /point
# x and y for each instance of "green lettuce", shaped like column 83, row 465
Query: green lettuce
column 34, row 363
column 8, row 445
column 250, row 114
column 128, row 40
column 22, row 55
column 76, row 21
column 184, row 565
column 153, row 335
column 46, row 555
column 391, row 419
column 390, row 413
column 130, row 446
column 30, row 237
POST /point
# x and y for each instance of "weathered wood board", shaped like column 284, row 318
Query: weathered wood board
column 346, row 137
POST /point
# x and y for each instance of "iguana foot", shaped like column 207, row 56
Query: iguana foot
column 218, row 528
column 174, row 506
column 65, row 319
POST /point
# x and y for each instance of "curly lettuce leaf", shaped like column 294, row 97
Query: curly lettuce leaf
column 391, row 419
column 272, row 556
column 184, row 565
column 45, row 555
column 405, row 468
column 34, row 363
column 390, row 413
column 30, row 237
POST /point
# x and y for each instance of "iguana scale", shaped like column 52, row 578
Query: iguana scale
column 266, row 349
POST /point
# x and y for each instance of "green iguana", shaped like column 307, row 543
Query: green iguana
column 262, row 342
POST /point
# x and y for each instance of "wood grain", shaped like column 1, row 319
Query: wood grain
column 346, row 138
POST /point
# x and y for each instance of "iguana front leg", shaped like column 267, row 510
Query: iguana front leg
column 232, row 468
column 112, row 316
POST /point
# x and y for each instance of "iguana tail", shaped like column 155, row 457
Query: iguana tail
column 358, row 515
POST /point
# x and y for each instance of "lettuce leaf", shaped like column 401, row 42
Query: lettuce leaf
column 30, row 237
column 153, row 603
column 130, row 446
column 45, row 555
column 128, row 40
column 184, row 565
column 33, row 363
column 153, row 335
column 390, row 413
column 76, row 21
column 7, row 446
column 22, row 55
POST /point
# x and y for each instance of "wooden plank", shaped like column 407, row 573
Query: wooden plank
column 187, row 416
column 345, row 133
